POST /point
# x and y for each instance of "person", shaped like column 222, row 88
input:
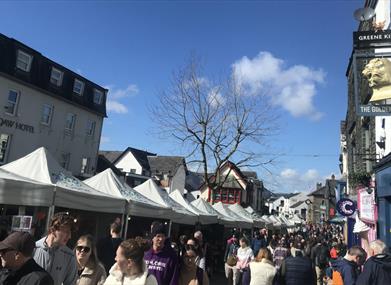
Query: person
column 297, row 270
column 230, row 259
column 91, row 271
column 321, row 261
column 203, row 259
column 52, row 252
column 130, row 267
column 20, row 268
column 262, row 268
column 200, row 256
column 347, row 269
column 244, row 256
column 256, row 243
column 377, row 269
column 263, row 238
column 161, row 259
column 181, row 246
column 107, row 246
column 190, row 273
column 280, row 253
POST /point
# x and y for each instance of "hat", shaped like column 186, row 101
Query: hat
column 158, row 229
column 20, row 241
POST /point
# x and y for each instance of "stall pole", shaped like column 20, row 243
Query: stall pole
column 51, row 210
column 169, row 228
column 126, row 226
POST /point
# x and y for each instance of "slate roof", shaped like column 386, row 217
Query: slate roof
column 164, row 164
column 297, row 204
column 103, row 163
column 383, row 163
column 250, row 174
column 110, row 155
column 194, row 181
column 318, row 192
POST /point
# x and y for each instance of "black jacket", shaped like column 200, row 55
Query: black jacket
column 377, row 271
column 297, row 271
column 29, row 274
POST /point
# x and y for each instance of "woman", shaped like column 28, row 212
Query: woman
column 190, row 273
column 201, row 261
column 130, row 267
column 91, row 271
column 230, row 259
column 262, row 269
column 244, row 256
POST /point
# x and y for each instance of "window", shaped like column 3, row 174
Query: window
column 98, row 96
column 56, row 77
column 85, row 163
column 47, row 113
column 23, row 61
column 12, row 102
column 4, row 143
column 132, row 170
column 70, row 122
column 90, row 129
column 78, row 87
column 383, row 123
column 65, row 159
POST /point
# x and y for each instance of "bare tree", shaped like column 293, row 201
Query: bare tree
column 215, row 122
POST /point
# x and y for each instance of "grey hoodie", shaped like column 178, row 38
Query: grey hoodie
column 59, row 261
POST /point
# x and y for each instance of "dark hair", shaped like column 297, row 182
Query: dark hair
column 359, row 252
column 61, row 219
column 94, row 256
column 196, row 247
column 134, row 249
column 115, row 228
column 243, row 239
column 264, row 253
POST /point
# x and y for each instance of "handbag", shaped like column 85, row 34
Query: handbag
column 232, row 260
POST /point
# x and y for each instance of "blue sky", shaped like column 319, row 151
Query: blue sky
column 133, row 47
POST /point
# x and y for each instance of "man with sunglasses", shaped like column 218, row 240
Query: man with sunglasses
column 53, row 254
column 19, row 266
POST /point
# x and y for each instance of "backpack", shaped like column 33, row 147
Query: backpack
column 322, row 258
column 337, row 278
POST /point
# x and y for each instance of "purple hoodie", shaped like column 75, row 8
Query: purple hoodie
column 164, row 265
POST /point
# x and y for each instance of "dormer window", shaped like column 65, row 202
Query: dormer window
column 23, row 61
column 78, row 87
column 98, row 96
column 56, row 76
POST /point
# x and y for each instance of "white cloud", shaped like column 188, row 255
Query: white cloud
column 116, row 95
column 116, row 107
column 310, row 175
column 215, row 98
column 104, row 140
column 288, row 173
column 292, row 88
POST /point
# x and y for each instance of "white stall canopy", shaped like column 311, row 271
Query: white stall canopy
column 205, row 207
column 108, row 183
column 70, row 192
column 239, row 210
column 240, row 222
column 18, row 190
column 160, row 196
column 203, row 218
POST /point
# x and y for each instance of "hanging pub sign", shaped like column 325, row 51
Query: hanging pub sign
column 346, row 207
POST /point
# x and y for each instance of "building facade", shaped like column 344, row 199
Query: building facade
column 46, row 104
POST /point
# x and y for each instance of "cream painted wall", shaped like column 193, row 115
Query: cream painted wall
column 128, row 162
column 53, row 137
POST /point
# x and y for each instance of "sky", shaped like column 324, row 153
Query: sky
column 299, row 48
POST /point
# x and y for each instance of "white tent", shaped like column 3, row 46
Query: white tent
column 203, row 218
column 18, row 190
column 256, row 216
column 239, row 210
column 108, row 183
column 70, row 192
column 153, row 192
column 205, row 207
column 276, row 222
column 289, row 223
column 269, row 222
column 224, row 210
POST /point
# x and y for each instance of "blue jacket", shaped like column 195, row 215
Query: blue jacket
column 348, row 269
column 377, row 271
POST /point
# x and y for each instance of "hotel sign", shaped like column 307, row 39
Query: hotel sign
column 16, row 125
column 371, row 39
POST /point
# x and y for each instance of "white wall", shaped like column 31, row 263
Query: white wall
column 128, row 162
column 53, row 137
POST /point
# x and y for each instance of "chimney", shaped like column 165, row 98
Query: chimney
column 318, row 186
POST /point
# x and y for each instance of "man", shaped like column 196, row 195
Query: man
column 161, row 259
column 297, row 270
column 52, row 252
column 108, row 246
column 20, row 268
column 377, row 269
column 347, row 269
column 280, row 253
column 263, row 238
column 321, row 261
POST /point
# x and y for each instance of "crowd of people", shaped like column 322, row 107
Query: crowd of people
column 314, row 255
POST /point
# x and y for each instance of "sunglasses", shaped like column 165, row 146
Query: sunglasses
column 80, row 248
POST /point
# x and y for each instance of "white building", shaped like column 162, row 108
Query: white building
column 46, row 104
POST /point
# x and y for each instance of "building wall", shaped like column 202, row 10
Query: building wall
column 178, row 180
column 28, row 133
column 129, row 162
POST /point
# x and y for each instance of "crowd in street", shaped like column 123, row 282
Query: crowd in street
column 316, row 254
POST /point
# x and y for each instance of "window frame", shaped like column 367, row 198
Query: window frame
column 5, row 153
column 81, row 89
column 28, row 64
column 50, row 116
column 60, row 79
column 100, row 98
column 88, row 129
column 73, row 122
column 85, row 168
column 16, row 102
column 65, row 160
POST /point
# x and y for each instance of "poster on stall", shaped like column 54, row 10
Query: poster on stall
column 21, row 223
column 367, row 206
